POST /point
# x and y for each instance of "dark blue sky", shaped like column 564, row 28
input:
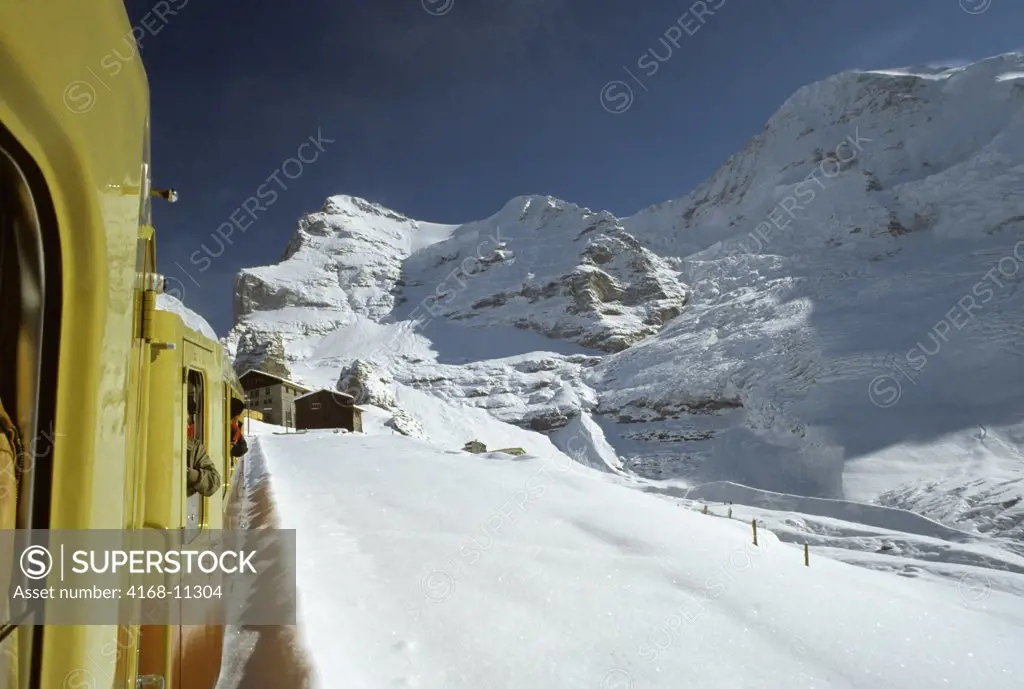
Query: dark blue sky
column 445, row 117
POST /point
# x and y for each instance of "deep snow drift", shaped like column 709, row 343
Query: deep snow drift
column 835, row 313
column 421, row 567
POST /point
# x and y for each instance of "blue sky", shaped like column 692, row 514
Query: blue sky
column 446, row 109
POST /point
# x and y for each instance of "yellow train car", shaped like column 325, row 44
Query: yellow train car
column 93, row 376
column 194, row 367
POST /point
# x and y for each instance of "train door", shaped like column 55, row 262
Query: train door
column 160, row 663
column 197, row 648
column 194, row 512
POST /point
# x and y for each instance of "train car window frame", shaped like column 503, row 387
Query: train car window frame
column 229, row 458
column 194, row 526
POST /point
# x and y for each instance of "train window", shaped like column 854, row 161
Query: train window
column 30, row 311
column 10, row 314
column 195, row 504
column 21, row 312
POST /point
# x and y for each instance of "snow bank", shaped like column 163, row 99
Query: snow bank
column 166, row 302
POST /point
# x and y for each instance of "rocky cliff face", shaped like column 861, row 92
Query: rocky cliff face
column 551, row 267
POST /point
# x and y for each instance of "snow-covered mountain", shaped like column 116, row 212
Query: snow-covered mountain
column 835, row 313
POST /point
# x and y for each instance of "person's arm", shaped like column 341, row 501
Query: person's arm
column 202, row 473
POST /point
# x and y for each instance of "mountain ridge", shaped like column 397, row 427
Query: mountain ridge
column 732, row 334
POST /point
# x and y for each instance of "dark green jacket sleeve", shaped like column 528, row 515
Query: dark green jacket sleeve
column 203, row 476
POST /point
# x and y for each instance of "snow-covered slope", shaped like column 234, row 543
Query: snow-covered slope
column 424, row 568
column 834, row 313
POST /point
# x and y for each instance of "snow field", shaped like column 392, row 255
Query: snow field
column 430, row 568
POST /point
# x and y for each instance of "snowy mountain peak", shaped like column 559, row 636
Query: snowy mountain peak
column 355, row 206
column 728, row 335
column 840, row 155
column 551, row 267
column 345, row 258
column 995, row 65
column 539, row 264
